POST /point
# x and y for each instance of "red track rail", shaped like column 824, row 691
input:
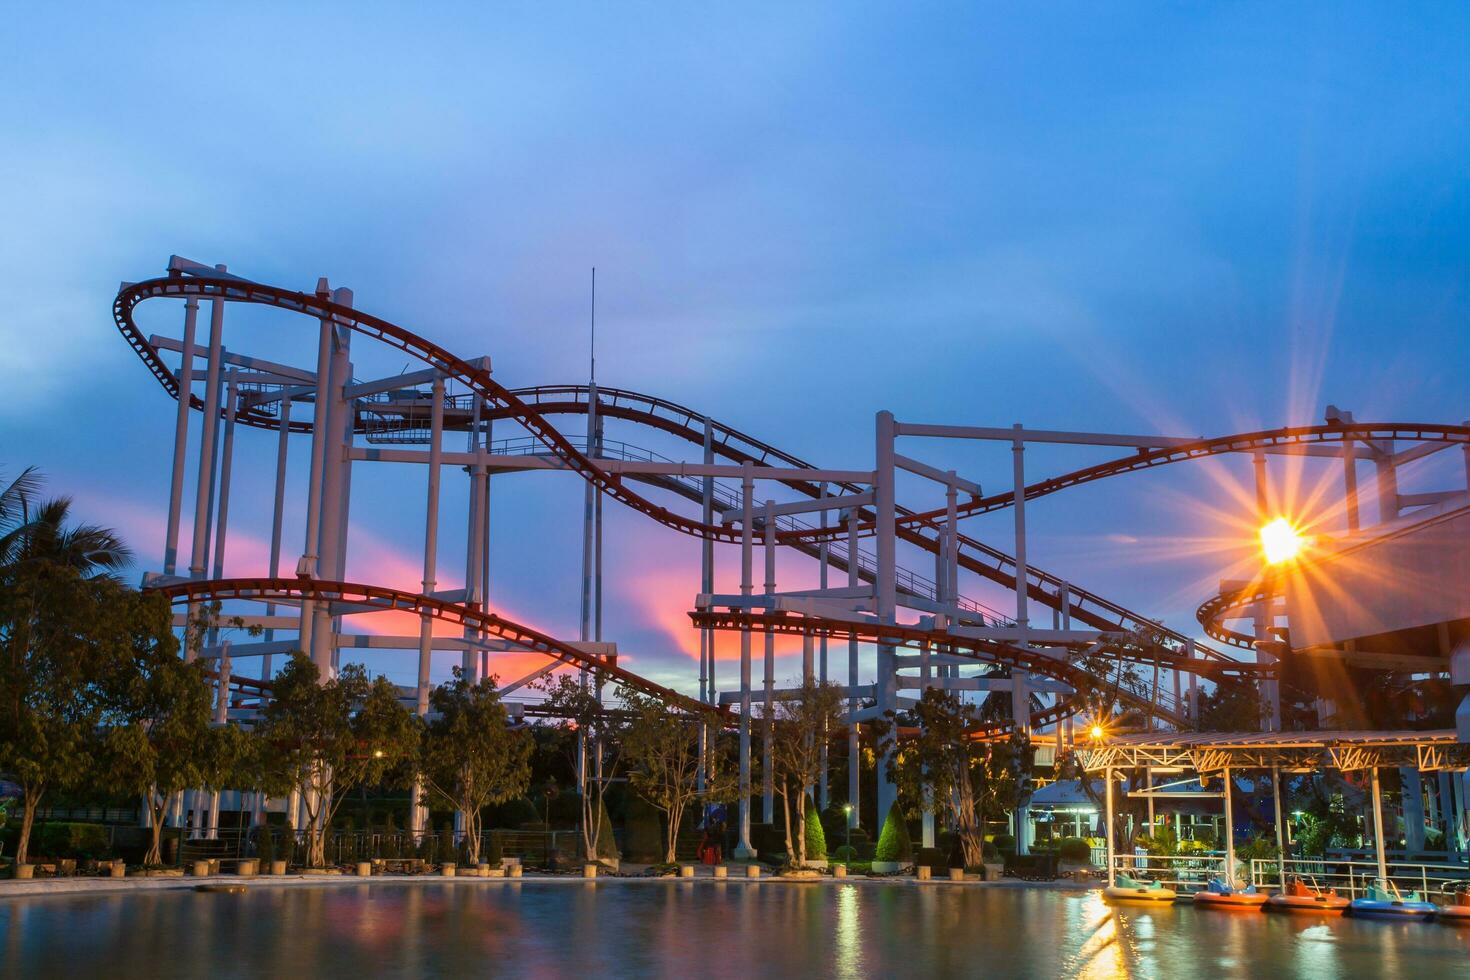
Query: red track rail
column 988, row 651
column 378, row 598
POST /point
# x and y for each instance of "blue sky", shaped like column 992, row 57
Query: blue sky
column 1186, row 219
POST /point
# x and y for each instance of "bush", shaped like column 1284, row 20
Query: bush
column 1005, row 842
column 816, row 841
column 894, row 843
column 990, row 854
column 490, row 848
column 643, row 833
column 607, row 845
column 1074, row 849
column 72, row 840
column 265, row 846
column 518, row 813
column 845, row 854
column 931, row 857
column 1259, row 848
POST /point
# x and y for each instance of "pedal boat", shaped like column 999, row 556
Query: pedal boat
column 1299, row 897
column 1384, row 903
column 1457, row 912
column 1218, row 895
column 1126, row 889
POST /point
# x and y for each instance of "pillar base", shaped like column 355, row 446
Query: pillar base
column 743, row 853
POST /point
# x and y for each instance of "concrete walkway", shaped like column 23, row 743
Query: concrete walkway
column 704, row 875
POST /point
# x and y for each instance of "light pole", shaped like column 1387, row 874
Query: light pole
column 847, row 812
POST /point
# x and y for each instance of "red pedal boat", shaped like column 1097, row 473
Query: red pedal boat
column 1301, row 897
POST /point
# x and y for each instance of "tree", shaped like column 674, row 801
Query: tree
column 661, row 749
column 158, row 734
column 800, row 725
column 471, row 757
column 944, row 766
column 50, row 682
column 593, row 738
column 328, row 738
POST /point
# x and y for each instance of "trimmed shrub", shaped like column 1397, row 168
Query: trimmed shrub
column 490, row 848
column 816, row 841
column 607, row 845
column 1074, row 849
column 1004, row 842
column 845, row 854
column 894, row 843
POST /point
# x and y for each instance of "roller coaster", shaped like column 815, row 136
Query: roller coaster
column 1053, row 674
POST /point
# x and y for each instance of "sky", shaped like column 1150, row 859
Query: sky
column 1184, row 219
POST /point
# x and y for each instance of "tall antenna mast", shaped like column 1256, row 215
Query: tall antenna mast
column 593, row 370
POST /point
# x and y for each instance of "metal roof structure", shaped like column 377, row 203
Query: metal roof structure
column 1208, row 752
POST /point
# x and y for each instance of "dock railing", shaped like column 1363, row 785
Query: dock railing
column 1183, row 872
column 1352, row 878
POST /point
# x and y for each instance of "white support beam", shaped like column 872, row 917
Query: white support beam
column 237, row 360
column 731, row 515
column 943, row 477
column 997, row 434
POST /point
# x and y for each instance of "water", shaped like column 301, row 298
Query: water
column 682, row 929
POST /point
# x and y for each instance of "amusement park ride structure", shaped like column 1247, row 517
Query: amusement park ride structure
column 740, row 491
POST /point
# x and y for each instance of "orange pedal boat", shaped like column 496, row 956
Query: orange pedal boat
column 1301, row 897
column 1457, row 912
column 1218, row 895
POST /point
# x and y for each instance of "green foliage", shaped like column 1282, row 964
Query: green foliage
column 661, row 750
column 816, row 840
column 265, row 846
column 845, row 854
column 944, row 767
column 1258, row 848
column 1163, row 842
column 518, row 814
column 471, row 757
column 642, row 833
column 1004, row 843
column 331, row 737
column 73, row 840
column 1233, row 705
column 894, row 843
column 607, row 844
column 1074, row 849
column 594, row 735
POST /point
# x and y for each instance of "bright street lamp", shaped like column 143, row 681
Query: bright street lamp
column 847, row 812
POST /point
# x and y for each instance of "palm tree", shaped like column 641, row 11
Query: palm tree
column 32, row 533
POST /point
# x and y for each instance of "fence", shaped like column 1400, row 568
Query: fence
column 1352, row 878
column 1184, row 873
column 348, row 847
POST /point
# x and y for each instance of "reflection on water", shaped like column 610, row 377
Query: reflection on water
column 684, row 929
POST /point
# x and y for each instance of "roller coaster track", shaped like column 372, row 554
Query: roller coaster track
column 528, row 407
column 1213, row 612
column 987, row 651
column 374, row 598
column 727, row 442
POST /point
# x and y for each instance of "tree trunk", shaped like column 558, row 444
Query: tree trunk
column 801, row 828
column 471, row 820
column 27, row 821
column 155, row 813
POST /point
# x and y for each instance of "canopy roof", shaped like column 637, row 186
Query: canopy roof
column 1292, row 751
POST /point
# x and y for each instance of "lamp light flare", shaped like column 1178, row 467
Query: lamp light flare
column 1280, row 541
column 1097, row 732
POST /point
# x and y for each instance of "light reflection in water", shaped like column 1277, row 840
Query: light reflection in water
column 767, row 929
